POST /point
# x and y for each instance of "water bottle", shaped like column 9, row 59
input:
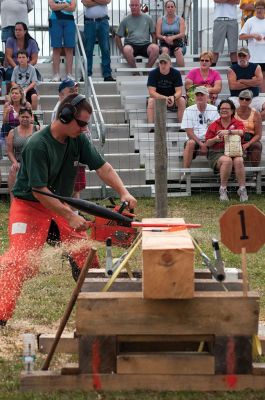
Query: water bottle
column 29, row 352
column 3, row 88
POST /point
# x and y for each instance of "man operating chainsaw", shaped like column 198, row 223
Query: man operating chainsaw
column 49, row 163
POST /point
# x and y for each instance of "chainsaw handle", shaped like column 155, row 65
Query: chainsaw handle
column 124, row 204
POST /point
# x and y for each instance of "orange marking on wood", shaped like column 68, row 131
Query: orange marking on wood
column 231, row 378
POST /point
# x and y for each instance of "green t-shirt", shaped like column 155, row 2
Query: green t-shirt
column 136, row 30
column 47, row 162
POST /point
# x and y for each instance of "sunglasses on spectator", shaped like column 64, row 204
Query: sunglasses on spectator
column 244, row 98
column 163, row 62
column 201, row 119
column 202, row 60
column 80, row 123
column 241, row 55
column 25, row 109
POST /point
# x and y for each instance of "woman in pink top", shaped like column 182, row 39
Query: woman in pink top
column 205, row 76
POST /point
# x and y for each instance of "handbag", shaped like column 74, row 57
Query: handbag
column 233, row 147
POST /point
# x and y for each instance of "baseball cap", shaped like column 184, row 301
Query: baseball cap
column 67, row 83
column 246, row 94
column 243, row 50
column 201, row 89
column 164, row 57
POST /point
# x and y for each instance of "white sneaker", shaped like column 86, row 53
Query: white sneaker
column 223, row 195
column 56, row 78
column 70, row 76
column 183, row 177
column 243, row 195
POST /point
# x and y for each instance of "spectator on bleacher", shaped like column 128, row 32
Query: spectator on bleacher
column 222, row 159
column 248, row 10
column 170, row 30
column 11, row 109
column 254, row 32
column 137, row 28
column 195, row 121
column 246, row 75
column 16, row 141
column 66, row 87
column 253, row 128
column 62, row 34
column 12, row 11
column 24, row 75
column 165, row 82
column 49, row 164
column 225, row 26
column 21, row 40
column 96, row 27
column 203, row 76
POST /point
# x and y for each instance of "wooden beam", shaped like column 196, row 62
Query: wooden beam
column 68, row 344
column 188, row 363
column 48, row 381
column 128, row 285
column 168, row 262
column 216, row 313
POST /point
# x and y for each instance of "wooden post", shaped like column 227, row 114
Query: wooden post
column 160, row 159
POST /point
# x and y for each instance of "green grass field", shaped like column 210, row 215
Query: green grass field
column 45, row 297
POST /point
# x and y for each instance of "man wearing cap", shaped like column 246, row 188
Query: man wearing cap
column 246, row 75
column 165, row 82
column 66, row 87
column 96, row 27
column 196, row 120
column 137, row 28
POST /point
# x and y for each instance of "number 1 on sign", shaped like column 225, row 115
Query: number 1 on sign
column 244, row 235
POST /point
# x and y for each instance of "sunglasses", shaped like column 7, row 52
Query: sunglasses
column 25, row 109
column 205, row 60
column 201, row 119
column 80, row 123
column 163, row 62
column 244, row 98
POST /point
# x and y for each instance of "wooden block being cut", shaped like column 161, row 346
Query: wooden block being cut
column 168, row 262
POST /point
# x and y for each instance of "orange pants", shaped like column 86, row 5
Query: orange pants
column 29, row 224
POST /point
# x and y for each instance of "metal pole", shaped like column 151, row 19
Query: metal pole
column 195, row 33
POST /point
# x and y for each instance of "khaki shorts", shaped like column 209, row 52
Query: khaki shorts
column 213, row 157
column 222, row 30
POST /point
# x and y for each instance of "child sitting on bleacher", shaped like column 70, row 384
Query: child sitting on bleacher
column 24, row 75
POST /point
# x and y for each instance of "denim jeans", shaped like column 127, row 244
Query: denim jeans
column 97, row 30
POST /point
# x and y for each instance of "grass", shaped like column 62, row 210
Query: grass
column 44, row 298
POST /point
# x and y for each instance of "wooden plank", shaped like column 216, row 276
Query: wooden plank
column 258, row 369
column 135, row 285
column 218, row 313
column 97, row 354
column 188, row 363
column 47, row 381
column 70, row 369
column 168, row 262
column 68, row 343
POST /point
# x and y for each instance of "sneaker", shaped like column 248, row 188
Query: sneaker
column 243, row 195
column 70, row 76
column 152, row 130
column 109, row 79
column 3, row 322
column 56, row 78
column 183, row 177
column 223, row 195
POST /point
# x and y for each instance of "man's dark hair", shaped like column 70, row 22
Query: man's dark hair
column 83, row 105
column 22, row 52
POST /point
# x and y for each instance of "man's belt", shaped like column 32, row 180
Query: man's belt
column 96, row 19
column 225, row 19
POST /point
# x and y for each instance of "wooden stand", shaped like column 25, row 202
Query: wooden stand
column 125, row 342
